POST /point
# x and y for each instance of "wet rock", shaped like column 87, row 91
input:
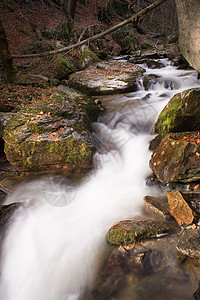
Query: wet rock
column 8, row 184
column 179, row 208
column 149, row 80
column 107, row 78
column 155, row 142
column 129, row 231
column 189, row 243
column 154, row 64
column 117, row 262
column 158, row 206
column 150, row 270
column 6, row 213
column 177, row 159
column 52, row 134
column 192, row 267
column 182, row 113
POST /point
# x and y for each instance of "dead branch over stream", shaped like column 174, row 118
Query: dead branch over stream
column 95, row 37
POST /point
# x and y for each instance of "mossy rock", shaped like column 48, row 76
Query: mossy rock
column 87, row 58
column 182, row 113
column 63, row 68
column 129, row 231
column 51, row 134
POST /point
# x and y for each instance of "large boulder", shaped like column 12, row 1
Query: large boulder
column 177, row 159
column 52, row 134
column 182, row 113
column 109, row 77
column 188, row 12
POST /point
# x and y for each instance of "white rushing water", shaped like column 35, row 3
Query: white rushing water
column 51, row 252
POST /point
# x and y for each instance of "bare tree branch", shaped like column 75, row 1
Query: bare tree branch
column 95, row 37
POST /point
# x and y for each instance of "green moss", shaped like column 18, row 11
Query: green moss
column 59, row 153
column 119, row 236
column 166, row 119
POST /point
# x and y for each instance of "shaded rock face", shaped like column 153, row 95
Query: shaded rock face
column 182, row 113
column 188, row 12
column 107, row 78
column 126, row 38
column 177, row 159
column 158, row 206
column 52, row 134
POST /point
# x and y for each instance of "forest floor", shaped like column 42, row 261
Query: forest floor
column 22, row 19
column 20, row 22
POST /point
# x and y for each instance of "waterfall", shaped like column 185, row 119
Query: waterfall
column 53, row 246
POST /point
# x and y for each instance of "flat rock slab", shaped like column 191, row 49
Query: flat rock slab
column 106, row 78
column 158, row 206
column 189, row 243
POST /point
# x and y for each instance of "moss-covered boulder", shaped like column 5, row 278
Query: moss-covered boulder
column 182, row 113
column 105, row 78
column 129, row 231
column 63, row 68
column 87, row 58
column 177, row 159
column 52, row 134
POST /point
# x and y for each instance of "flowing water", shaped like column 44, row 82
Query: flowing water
column 56, row 239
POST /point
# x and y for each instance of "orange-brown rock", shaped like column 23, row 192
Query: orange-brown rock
column 177, row 159
column 179, row 208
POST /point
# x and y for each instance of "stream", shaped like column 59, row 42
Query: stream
column 56, row 240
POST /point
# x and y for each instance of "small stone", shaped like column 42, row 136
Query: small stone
column 179, row 208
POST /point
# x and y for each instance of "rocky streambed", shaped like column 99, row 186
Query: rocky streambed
column 149, row 252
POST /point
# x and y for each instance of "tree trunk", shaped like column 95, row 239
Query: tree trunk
column 6, row 56
column 72, row 7
column 97, row 36
column 69, row 10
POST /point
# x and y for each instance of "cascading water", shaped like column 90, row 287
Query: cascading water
column 54, row 243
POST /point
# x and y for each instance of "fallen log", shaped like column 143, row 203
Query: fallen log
column 95, row 37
